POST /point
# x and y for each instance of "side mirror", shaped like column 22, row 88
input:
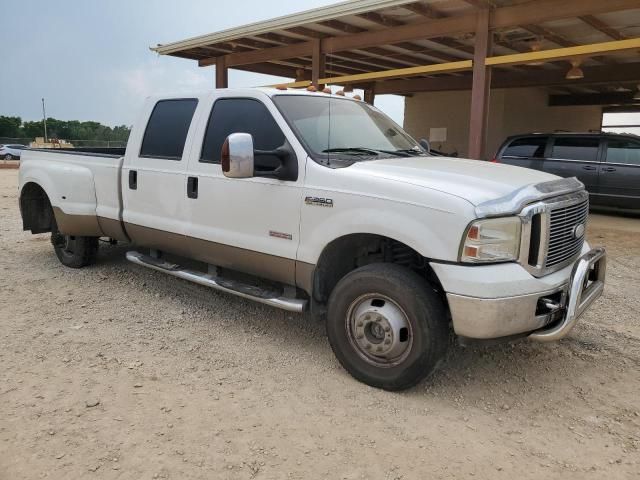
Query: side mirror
column 238, row 159
column 237, row 156
column 424, row 143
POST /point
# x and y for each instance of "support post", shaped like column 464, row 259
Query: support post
column 318, row 64
column 481, row 87
column 222, row 74
column 369, row 95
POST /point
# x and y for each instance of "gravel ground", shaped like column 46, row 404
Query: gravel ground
column 118, row 372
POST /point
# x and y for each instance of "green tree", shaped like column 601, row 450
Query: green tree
column 10, row 126
column 63, row 129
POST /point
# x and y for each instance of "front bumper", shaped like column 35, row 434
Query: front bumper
column 546, row 315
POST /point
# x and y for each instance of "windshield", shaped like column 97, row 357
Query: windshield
column 328, row 126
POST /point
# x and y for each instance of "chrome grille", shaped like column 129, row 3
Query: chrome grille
column 549, row 241
column 563, row 243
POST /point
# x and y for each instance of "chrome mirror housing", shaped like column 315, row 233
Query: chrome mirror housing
column 237, row 156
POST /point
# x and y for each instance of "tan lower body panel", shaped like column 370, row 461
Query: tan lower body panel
column 262, row 265
column 113, row 229
column 272, row 267
column 80, row 225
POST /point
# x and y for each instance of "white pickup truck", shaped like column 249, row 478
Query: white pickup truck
column 306, row 200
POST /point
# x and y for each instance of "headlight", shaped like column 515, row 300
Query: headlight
column 492, row 240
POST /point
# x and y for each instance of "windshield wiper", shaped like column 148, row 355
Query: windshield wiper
column 352, row 151
column 411, row 152
column 365, row 151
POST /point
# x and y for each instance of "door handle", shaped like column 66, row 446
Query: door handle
column 133, row 179
column 608, row 169
column 192, row 187
column 588, row 167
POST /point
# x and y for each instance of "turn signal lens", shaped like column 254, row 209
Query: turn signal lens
column 492, row 240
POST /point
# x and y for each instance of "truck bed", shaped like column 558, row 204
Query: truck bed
column 82, row 186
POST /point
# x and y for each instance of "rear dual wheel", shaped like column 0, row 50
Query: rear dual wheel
column 387, row 326
column 74, row 251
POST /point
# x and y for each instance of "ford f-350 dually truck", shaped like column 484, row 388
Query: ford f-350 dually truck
column 307, row 200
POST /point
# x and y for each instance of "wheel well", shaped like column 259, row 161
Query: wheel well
column 347, row 253
column 37, row 214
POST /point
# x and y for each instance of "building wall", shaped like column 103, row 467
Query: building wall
column 511, row 111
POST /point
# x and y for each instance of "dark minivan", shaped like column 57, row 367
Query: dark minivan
column 607, row 163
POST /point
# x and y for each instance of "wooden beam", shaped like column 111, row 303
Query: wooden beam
column 424, row 10
column 596, row 75
column 548, row 10
column 387, row 21
column 369, row 95
column 318, row 64
column 569, row 52
column 399, row 72
column 388, row 54
column 412, row 31
column 222, row 74
column 481, row 85
column 602, row 27
column 302, row 49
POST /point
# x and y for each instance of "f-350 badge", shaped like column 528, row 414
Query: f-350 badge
column 319, row 202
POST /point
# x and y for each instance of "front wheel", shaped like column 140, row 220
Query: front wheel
column 387, row 326
column 74, row 251
column 8, row 156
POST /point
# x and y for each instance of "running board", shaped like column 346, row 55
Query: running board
column 224, row 285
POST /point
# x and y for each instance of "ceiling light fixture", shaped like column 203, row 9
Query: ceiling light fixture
column 575, row 72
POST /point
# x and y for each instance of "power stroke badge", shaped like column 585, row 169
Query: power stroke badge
column 319, row 202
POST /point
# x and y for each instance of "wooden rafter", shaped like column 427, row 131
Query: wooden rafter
column 537, row 30
column 549, row 35
column 380, row 58
column 602, row 27
column 386, row 21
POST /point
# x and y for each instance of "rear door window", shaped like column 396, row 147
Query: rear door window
column 529, row 147
column 167, row 129
column 576, row 148
column 242, row 115
column 623, row 151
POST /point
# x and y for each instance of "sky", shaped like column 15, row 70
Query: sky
column 90, row 59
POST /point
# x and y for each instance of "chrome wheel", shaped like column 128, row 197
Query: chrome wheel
column 66, row 243
column 8, row 157
column 379, row 330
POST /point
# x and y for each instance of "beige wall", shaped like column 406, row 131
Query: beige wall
column 511, row 111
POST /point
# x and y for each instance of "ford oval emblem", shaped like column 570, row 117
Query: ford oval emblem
column 578, row 230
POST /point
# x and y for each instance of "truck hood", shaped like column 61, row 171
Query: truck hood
column 474, row 180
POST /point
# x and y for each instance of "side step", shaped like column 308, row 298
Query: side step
column 236, row 288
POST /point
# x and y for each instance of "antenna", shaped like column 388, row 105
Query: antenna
column 44, row 121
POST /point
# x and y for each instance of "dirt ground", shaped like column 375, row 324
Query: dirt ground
column 118, row 372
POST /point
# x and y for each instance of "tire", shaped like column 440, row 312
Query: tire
column 74, row 251
column 387, row 326
column 8, row 156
